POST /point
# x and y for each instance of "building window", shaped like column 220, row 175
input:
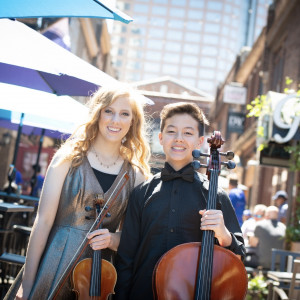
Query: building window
column 208, row 62
column 196, row 3
column 171, row 57
column 173, row 46
column 214, row 5
column 191, row 48
column 155, row 44
column 277, row 73
column 195, row 14
column 141, row 8
column 177, row 12
column 192, row 37
column 174, row 35
column 153, row 55
column 190, row 60
column 170, row 69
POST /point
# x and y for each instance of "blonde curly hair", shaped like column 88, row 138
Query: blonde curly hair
column 135, row 149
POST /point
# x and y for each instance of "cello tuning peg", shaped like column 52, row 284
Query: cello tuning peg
column 197, row 165
column 196, row 153
column 229, row 164
column 228, row 154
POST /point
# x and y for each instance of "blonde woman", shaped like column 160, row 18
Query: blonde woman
column 86, row 168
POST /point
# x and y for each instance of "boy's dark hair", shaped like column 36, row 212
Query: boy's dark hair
column 179, row 108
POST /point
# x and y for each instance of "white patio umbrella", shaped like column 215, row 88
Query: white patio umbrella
column 33, row 109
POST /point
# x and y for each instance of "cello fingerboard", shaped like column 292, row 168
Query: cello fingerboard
column 205, row 266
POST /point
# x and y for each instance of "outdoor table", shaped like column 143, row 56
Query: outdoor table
column 13, row 196
column 283, row 278
column 9, row 210
column 11, row 207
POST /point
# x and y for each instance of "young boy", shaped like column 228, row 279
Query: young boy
column 164, row 212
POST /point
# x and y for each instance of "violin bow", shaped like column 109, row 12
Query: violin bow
column 84, row 243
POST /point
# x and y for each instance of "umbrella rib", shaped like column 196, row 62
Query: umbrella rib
column 53, row 91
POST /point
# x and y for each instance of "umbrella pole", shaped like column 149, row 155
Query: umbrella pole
column 33, row 178
column 12, row 168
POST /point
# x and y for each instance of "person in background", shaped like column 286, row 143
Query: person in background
column 281, row 201
column 247, row 214
column 170, row 209
column 237, row 198
column 268, row 233
column 83, row 174
column 38, row 182
column 249, row 225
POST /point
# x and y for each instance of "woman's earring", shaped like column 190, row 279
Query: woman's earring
column 124, row 139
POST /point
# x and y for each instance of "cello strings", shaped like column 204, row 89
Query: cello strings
column 206, row 258
column 84, row 240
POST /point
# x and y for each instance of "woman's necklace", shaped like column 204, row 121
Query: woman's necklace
column 102, row 164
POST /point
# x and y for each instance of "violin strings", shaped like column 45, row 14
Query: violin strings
column 84, row 240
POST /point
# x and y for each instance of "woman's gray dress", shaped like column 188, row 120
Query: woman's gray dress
column 81, row 188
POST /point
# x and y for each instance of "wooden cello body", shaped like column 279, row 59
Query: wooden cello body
column 202, row 271
column 176, row 273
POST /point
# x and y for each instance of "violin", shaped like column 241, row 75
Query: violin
column 94, row 278
column 62, row 280
column 202, row 271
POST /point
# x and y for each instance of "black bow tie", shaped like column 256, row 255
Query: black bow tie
column 187, row 174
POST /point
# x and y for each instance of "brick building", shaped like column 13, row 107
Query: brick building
column 274, row 56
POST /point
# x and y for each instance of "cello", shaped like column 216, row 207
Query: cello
column 202, row 271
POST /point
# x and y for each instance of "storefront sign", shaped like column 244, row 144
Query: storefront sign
column 292, row 127
column 235, row 94
column 235, row 122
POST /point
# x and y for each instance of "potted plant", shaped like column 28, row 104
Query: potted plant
column 257, row 288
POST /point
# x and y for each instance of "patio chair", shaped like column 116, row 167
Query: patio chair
column 282, row 260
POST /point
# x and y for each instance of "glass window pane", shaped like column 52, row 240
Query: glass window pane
column 159, row 10
column 195, row 14
column 194, row 25
column 208, row 62
column 196, row 3
column 211, row 39
column 174, row 35
column 153, row 55
column 177, row 12
column 170, row 69
column 141, row 8
column 179, row 2
column 156, row 33
column 188, row 71
column 207, row 50
column 154, row 44
column 191, row 48
column 150, row 66
column 190, row 60
column 214, row 5
column 171, row 58
column 192, row 37
column 210, row 27
column 214, row 17
column 173, row 46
